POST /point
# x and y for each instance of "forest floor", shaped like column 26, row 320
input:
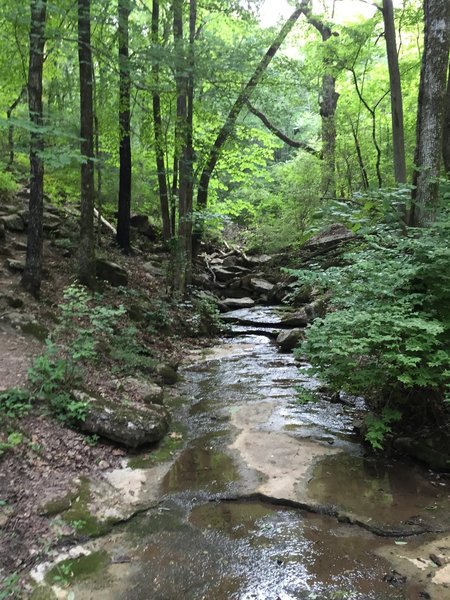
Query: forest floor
column 51, row 455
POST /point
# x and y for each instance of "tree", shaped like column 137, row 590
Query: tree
column 86, row 255
column 124, row 204
column 32, row 276
column 239, row 103
column 158, row 130
column 446, row 135
column 430, row 111
column 398, row 136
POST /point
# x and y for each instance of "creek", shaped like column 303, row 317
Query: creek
column 271, row 499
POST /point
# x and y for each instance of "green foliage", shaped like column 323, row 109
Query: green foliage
column 378, row 427
column 14, row 402
column 305, row 396
column 129, row 354
column 8, row 183
column 83, row 326
column 9, row 587
column 387, row 335
column 203, row 317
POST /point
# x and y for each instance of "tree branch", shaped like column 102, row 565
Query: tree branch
column 287, row 140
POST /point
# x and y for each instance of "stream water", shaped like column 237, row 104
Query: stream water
column 271, row 499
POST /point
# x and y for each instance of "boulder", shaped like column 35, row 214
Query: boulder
column 261, row 286
column 298, row 318
column 232, row 303
column 141, row 223
column 168, row 374
column 147, row 391
column 15, row 265
column 51, row 221
column 328, row 238
column 153, row 269
column 432, row 449
column 288, row 340
column 223, row 274
column 132, row 425
column 13, row 222
column 111, row 272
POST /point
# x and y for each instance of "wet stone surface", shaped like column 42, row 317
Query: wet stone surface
column 247, row 437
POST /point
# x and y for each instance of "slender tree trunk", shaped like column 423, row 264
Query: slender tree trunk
column 241, row 100
column 180, row 162
column 362, row 167
column 398, row 136
column 328, row 105
column 32, row 275
column 158, row 129
column 86, row 255
column 124, row 204
column 446, row 136
column 430, row 112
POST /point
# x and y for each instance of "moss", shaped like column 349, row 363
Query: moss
column 58, row 505
column 75, row 569
column 163, row 451
column 40, row 332
column 43, row 592
column 79, row 516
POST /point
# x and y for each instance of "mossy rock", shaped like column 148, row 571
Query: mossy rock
column 75, row 569
column 43, row 592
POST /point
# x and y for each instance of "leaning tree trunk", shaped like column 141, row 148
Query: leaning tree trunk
column 124, row 204
column 158, row 131
column 32, row 275
column 86, row 255
column 240, row 102
column 430, row 112
column 398, row 136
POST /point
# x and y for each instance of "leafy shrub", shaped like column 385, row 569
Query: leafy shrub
column 83, row 326
column 14, row 403
column 387, row 334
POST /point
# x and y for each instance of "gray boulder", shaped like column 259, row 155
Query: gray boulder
column 288, row 340
column 153, row 269
column 332, row 236
column 147, row 391
column 232, row 303
column 111, row 272
column 261, row 286
column 131, row 425
column 13, row 222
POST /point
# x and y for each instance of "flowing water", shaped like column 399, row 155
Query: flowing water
column 272, row 499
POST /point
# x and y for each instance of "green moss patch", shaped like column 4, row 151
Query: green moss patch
column 163, row 451
column 75, row 569
column 80, row 517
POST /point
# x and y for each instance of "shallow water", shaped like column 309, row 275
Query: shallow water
column 200, row 545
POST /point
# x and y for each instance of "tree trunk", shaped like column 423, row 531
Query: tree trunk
column 32, row 275
column 398, row 136
column 328, row 105
column 430, row 112
column 86, row 255
column 248, row 89
column 159, row 136
column 124, row 204
column 446, row 136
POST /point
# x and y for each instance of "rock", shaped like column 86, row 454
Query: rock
column 153, row 269
column 130, row 425
column 298, row 318
column 28, row 324
column 167, row 373
column 15, row 265
column 111, row 272
column 223, row 274
column 51, row 221
column 288, row 340
column 13, row 222
column 11, row 300
column 232, row 303
column 261, row 286
column 19, row 246
column 330, row 237
column 432, row 449
column 257, row 261
column 147, row 391
column 141, row 223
